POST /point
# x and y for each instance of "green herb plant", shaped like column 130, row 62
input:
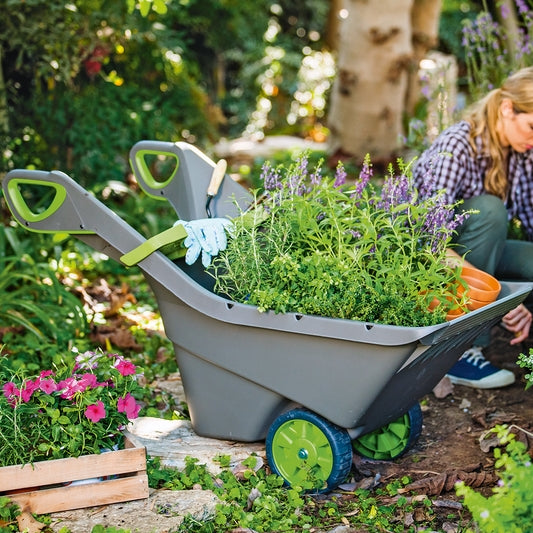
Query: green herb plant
column 323, row 246
column 510, row 507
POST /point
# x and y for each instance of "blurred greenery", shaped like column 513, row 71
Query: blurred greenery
column 86, row 79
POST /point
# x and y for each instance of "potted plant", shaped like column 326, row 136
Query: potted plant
column 77, row 409
column 333, row 247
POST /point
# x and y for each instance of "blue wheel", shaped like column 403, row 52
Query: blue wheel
column 393, row 439
column 308, row 451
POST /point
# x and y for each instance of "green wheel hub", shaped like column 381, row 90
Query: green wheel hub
column 302, row 452
column 386, row 442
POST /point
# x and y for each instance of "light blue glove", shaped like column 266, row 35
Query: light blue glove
column 205, row 235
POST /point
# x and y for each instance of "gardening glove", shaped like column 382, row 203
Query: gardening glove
column 205, row 235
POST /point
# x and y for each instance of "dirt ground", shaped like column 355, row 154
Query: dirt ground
column 453, row 425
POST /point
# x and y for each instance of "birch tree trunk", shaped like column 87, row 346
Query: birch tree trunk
column 375, row 61
column 425, row 16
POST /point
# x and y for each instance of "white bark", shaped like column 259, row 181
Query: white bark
column 375, row 61
column 425, row 33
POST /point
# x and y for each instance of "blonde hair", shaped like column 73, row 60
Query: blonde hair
column 483, row 118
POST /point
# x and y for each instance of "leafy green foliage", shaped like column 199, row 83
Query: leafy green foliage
column 170, row 478
column 510, row 506
column 526, row 361
column 8, row 515
column 32, row 297
column 320, row 247
column 86, row 79
column 259, row 501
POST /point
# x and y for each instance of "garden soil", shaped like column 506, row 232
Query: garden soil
column 454, row 435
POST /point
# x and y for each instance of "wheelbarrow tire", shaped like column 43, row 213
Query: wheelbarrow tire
column 308, row 451
column 391, row 440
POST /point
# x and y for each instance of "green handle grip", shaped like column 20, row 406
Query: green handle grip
column 20, row 205
column 186, row 186
column 62, row 213
column 74, row 210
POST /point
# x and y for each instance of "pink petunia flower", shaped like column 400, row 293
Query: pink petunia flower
column 129, row 406
column 26, row 395
column 30, row 386
column 88, row 380
column 95, row 412
column 126, row 368
column 10, row 390
column 48, row 386
column 69, row 387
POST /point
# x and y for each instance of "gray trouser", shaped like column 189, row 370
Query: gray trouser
column 483, row 240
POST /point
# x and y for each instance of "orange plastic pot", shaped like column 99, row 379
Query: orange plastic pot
column 452, row 313
column 482, row 287
column 455, row 313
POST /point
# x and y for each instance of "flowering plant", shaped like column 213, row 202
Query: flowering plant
column 492, row 52
column 321, row 246
column 74, row 410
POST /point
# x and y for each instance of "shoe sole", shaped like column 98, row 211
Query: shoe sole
column 503, row 378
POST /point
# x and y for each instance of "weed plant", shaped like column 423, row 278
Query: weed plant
column 259, row 501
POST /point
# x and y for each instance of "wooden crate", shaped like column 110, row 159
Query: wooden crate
column 44, row 487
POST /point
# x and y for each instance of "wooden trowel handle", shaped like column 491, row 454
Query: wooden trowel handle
column 216, row 178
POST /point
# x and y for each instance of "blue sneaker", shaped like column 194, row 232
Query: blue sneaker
column 473, row 370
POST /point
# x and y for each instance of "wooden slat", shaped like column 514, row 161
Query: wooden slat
column 64, row 470
column 79, row 496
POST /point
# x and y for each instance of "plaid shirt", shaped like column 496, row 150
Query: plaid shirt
column 450, row 164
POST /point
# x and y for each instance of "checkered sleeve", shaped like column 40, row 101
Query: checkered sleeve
column 446, row 164
column 523, row 197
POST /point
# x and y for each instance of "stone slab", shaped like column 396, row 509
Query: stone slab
column 174, row 440
column 162, row 512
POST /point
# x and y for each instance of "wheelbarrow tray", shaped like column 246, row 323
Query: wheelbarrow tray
column 241, row 368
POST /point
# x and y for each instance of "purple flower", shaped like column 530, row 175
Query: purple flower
column 396, row 191
column 522, row 6
column 504, row 11
column 340, row 175
column 270, row 177
column 364, row 177
column 316, row 177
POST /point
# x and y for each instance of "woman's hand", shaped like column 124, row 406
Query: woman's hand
column 518, row 321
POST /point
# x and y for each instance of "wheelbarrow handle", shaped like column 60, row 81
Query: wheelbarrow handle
column 61, row 214
column 72, row 210
column 186, row 186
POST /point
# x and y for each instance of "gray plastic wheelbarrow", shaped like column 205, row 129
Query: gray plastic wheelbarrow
column 315, row 388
